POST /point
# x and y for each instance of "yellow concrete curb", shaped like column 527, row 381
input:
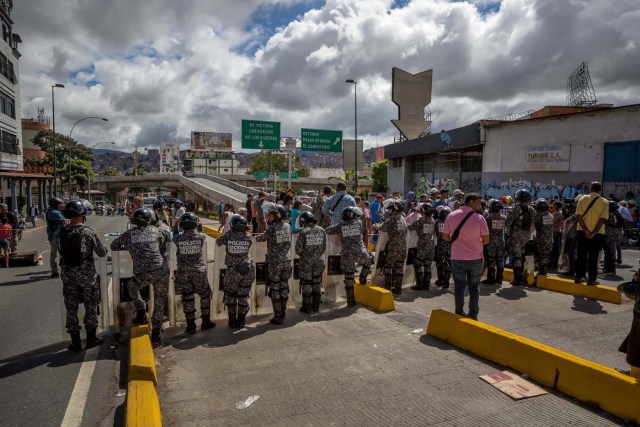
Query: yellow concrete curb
column 142, row 366
column 375, row 297
column 582, row 379
column 210, row 231
column 566, row 286
column 143, row 407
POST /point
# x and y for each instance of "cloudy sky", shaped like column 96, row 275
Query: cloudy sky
column 159, row 69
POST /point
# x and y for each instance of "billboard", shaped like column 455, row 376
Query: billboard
column 349, row 155
column 548, row 158
column 214, row 141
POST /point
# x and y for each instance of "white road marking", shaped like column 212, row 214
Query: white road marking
column 44, row 252
column 75, row 407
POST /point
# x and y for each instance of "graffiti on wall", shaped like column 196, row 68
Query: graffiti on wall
column 537, row 189
column 422, row 186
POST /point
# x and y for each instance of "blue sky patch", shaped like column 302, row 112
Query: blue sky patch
column 268, row 18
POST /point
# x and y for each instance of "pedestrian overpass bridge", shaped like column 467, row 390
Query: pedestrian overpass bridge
column 206, row 188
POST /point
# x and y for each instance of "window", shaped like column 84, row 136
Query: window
column 6, row 68
column 9, row 143
column 7, row 105
column 397, row 162
column 6, row 33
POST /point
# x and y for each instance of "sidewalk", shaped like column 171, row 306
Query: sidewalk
column 358, row 367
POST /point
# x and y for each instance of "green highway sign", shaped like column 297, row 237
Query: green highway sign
column 261, row 175
column 260, row 135
column 321, row 140
column 285, row 175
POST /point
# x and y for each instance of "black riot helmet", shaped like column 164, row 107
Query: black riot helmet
column 426, row 208
column 239, row 223
column 495, row 206
column 73, row 209
column 188, row 221
column 395, row 206
column 541, row 205
column 523, row 196
column 141, row 217
column 278, row 212
column 349, row 213
column 306, row 219
column 157, row 204
column 444, row 212
column 613, row 206
column 55, row 202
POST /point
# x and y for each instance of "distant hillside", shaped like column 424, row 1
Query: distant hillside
column 310, row 159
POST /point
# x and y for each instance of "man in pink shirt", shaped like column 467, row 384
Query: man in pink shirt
column 468, row 233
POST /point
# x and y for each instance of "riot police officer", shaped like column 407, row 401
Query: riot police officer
column 543, row 224
column 425, row 248
column 352, row 251
column 240, row 272
column 76, row 244
column 191, row 276
column 518, row 230
column 396, row 249
column 494, row 251
column 310, row 247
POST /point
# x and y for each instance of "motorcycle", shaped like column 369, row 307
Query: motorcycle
column 110, row 211
column 100, row 210
column 120, row 210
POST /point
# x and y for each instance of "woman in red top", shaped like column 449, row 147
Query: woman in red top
column 5, row 239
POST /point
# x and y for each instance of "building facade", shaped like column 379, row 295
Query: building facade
column 169, row 157
column 553, row 152
column 208, row 162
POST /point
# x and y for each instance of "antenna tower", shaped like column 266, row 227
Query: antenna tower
column 580, row 91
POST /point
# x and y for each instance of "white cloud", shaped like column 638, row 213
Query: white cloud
column 160, row 69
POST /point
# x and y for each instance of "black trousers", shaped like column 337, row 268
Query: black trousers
column 588, row 251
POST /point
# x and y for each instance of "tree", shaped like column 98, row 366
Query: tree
column 379, row 176
column 268, row 161
column 110, row 171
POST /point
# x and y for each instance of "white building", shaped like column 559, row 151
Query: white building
column 209, row 162
column 169, row 157
column 10, row 125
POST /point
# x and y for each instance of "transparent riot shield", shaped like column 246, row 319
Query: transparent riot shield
column 377, row 275
column 259, row 301
column 409, row 272
column 295, row 293
column 333, row 278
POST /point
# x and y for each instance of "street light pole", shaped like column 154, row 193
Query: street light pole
column 53, row 137
column 89, row 175
column 69, row 154
column 355, row 104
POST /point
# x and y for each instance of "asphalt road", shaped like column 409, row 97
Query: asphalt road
column 37, row 373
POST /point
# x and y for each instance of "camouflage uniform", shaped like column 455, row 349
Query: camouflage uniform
column 352, row 252
column 612, row 236
column 76, row 244
column 191, row 276
column 443, row 255
column 395, row 251
column 425, row 250
column 544, row 240
column 494, row 251
column 278, row 238
column 146, row 245
column 518, row 237
column 311, row 246
column 240, row 272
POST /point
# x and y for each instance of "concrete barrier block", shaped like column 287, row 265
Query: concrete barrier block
column 210, row 231
column 142, row 366
column 582, row 379
column 508, row 276
column 375, row 297
column 143, row 407
column 566, row 286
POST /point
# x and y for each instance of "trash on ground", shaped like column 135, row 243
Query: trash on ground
column 121, row 393
column 512, row 385
column 375, row 346
column 248, row 402
column 417, row 331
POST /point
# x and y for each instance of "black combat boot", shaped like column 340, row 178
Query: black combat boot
column 426, row 284
column 306, row 304
column 419, row 286
column 233, row 322
column 277, row 312
column 191, row 326
column 241, row 320
column 315, row 302
column 351, row 297
column 388, row 281
column 491, row 277
column 283, row 302
column 397, row 289
column 517, row 276
column 364, row 272
column 92, row 340
column 155, row 337
column 542, row 271
column 140, row 319
column 207, row 323
column 76, row 344
column 499, row 275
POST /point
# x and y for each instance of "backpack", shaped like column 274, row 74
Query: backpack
column 71, row 247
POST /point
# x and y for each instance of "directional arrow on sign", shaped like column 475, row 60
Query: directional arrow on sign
column 337, row 141
column 411, row 93
column 261, row 144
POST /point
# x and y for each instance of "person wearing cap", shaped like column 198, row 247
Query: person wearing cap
column 433, row 196
column 76, row 244
column 458, row 195
column 631, row 344
column 248, row 206
column 177, row 214
column 423, row 199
